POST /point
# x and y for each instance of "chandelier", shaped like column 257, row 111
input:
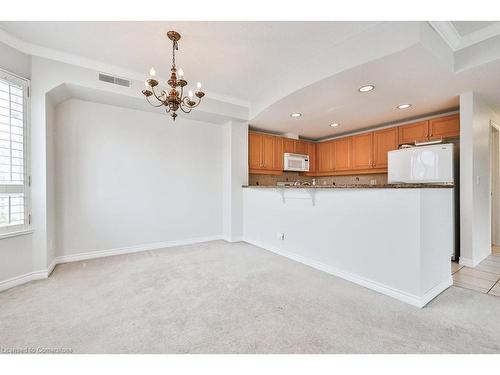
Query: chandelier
column 174, row 98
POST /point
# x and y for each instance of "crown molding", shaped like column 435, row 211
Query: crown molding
column 448, row 32
column 68, row 58
column 456, row 42
column 480, row 35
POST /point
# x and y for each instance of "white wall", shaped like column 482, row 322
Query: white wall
column 14, row 61
column 495, row 186
column 126, row 177
column 235, row 175
column 475, row 200
column 50, row 122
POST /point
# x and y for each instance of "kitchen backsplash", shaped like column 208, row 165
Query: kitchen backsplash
column 365, row 179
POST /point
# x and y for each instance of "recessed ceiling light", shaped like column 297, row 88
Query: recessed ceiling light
column 295, row 114
column 404, row 106
column 334, row 125
column 366, row 88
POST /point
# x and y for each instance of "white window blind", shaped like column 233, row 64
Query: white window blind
column 14, row 193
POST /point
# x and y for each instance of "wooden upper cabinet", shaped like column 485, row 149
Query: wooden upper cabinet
column 278, row 153
column 384, row 141
column 418, row 131
column 254, row 151
column 362, row 151
column 311, row 152
column 437, row 128
column 444, row 127
column 265, row 153
column 301, row 147
column 358, row 154
column 343, row 154
column 289, row 145
column 325, row 154
column 268, row 152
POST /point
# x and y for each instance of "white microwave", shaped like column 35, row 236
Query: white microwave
column 296, row 162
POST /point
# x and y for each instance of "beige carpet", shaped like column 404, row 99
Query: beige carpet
column 233, row 298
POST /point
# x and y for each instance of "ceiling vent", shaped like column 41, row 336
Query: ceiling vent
column 114, row 80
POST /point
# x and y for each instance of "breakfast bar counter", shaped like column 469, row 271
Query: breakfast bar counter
column 354, row 186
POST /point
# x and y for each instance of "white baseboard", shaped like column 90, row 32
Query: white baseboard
column 233, row 238
column 51, row 266
column 466, row 262
column 412, row 299
column 436, row 291
column 22, row 279
column 43, row 274
column 133, row 249
column 472, row 262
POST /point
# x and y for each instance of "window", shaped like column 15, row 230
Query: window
column 14, row 178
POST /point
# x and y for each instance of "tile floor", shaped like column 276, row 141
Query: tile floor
column 485, row 277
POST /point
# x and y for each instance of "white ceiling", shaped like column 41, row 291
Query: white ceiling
column 462, row 34
column 276, row 68
column 411, row 76
column 237, row 59
column 465, row 28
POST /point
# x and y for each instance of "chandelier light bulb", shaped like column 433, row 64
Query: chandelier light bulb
column 146, row 83
column 181, row 73
column 190, row 94
column 152, row 72
column 198, row 86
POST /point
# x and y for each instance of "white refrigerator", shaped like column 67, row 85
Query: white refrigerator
column 425, row 164
column 430, row 165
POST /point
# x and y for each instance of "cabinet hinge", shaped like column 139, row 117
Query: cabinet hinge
column 28, row 91
column 29, row 218
column 29, row 180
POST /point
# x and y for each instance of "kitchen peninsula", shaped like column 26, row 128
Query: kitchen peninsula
column 341, row 216
column 394, row 239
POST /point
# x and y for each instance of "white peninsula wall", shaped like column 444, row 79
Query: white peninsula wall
column 397, row 241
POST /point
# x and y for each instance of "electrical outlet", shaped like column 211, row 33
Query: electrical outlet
column 280, row 236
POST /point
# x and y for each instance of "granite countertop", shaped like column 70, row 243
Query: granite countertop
column 358, row 186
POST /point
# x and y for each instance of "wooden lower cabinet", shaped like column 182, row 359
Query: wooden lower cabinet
column 383, row 141
column 362, row 151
